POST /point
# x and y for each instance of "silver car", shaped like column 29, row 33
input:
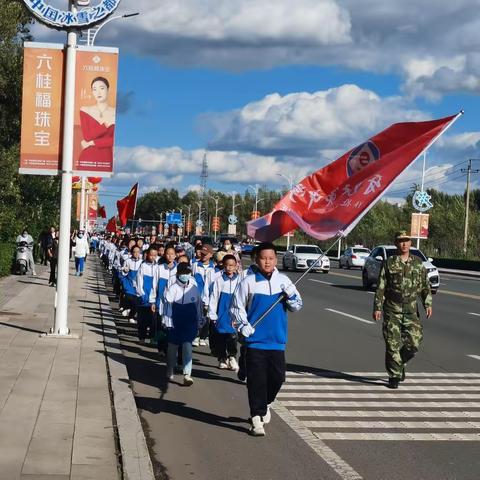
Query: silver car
column 301, row 257
column 373, row 264
column 353, row 257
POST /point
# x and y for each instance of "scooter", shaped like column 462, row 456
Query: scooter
column 21, row 259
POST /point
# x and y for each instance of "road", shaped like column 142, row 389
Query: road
column 334, row 419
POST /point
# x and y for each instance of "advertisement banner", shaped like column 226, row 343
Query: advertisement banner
column 419, row 228
column 92, row 204
column 95, row 110
column 43, row 79
column 232, row 229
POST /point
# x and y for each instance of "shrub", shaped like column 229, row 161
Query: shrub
column 7, row 251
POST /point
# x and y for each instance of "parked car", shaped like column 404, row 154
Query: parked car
column 301, row 257
column 205, row 239
column 373, row 264
column 353, row 257
column 248, row 247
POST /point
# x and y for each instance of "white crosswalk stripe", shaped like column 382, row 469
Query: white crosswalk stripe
column 358, row 406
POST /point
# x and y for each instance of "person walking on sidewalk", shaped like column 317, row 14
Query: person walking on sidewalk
column 182, row 317
column 52, row 253
column 81, row 251
column 402, row 279
column 265, row 344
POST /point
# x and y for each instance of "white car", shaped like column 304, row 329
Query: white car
column 301, row 257
column 373, row 264
column 353, row 257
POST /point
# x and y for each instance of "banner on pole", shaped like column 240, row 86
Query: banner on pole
column 92, row 205
column 419, row 225
column 232, row 230
column 42, row 99
column 95, row 110
column 216, row 224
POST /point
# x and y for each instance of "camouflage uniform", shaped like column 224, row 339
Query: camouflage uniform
column 399, row 285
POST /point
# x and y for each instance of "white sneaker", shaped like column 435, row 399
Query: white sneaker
column 232, row 364
column 170, row 376
column 196, row 342
column 268, row 416
column 34, row 274
column 222, row 365
column 187, row 380
column 125, row 313
column 120, row 310
column 202, row 343
column 132, row 320
column 256, row 428
column 148, row 341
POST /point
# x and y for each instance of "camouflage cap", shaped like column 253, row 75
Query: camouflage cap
column 402, row 235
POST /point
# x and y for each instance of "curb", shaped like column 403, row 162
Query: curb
column 464, row 273
column 136, row 462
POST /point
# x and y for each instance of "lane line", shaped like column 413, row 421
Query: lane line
column 384, row 425
column 384, row 404
column 459, row 294
column 476, row 314
column 349, row 316
column 476, row 357
column 428, row 437
column 338, row 465
column 386, row 413
column 320, row 281
column 375, row 374
column 373, row 388
column 345, row 275
column 388, row 394
column 409, row 381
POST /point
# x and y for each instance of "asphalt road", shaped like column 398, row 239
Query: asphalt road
column 338, row 420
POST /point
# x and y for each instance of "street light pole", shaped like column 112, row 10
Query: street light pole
column 291, row 180
column 61, row 311
column 82, row 203
column 216, row 199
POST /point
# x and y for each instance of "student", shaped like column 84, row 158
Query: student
column 182, row 317
column 81, row 250
column 200, row 271
column 218, row 312
column 129, row 274
column 265, row 344
column 146, row 289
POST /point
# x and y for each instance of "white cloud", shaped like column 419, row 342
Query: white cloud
column 304, row 124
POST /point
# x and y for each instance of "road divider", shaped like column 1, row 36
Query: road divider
column 349, row 316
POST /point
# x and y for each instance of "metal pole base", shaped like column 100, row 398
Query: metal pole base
column 67, row 335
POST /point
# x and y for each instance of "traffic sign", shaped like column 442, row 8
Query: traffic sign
column 174, row 218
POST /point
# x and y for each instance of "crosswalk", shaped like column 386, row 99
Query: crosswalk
column 358, row 406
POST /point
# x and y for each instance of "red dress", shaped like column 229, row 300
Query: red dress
column 99, row 155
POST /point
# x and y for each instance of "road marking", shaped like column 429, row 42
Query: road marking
column 386, row 413
column 349, row 316
column 459, row 294
column 338, row 465
column 476, row 314
column 427, row 437
column 320, row 281
column 476, row 357
column 346, row 275
column 437, row 406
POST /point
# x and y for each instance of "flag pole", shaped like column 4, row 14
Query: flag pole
column 304, row 274
column 135, row 208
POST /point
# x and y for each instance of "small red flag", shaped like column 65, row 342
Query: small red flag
column 102, row 213
column 333, row 200
column 111, row 225
column 126, row 206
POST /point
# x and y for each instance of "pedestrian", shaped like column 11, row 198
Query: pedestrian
column 146, row 289
column 228, row 247
column 52, row 253
column 129, row 273
column 200, row 271
column 81, row 250
column 224, row 338
column 44, row 240
column 182, row 317
column 265, row 344
column 402, row 279
column 27, row 239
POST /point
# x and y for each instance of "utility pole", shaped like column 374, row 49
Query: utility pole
column 469, row 172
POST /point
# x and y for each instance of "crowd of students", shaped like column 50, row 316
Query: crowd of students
column 182, row 296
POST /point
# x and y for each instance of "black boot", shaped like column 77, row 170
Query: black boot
column 406, row 354
column 402, row 379
column 393, row 383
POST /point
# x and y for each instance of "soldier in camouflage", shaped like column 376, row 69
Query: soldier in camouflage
column 402, row 279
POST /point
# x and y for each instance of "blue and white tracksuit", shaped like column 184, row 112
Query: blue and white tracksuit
column 200, row 273
column 265, row 349
column 166, row 278
column 146, row 288
column 182, row 317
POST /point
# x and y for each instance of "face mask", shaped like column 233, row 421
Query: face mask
column 228, row 247
column 80, row 235
column 184, row 278
column 24, row 234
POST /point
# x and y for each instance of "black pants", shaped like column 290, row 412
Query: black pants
column 226, row 345
column 146, row 322
column 265, row 375
column 53, row 270
column 203, row 334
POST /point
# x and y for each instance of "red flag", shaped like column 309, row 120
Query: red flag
column 111, row 225
column 126, row 206
column 333, row 200
column 102, row 213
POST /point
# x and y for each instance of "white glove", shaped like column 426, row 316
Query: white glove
column 289, row 290
column 247, row 330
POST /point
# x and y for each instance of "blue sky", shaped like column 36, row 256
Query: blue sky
column 276, row 86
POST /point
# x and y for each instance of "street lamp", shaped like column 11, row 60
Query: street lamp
column 216, row 199
column 256, row 189
column 291, row 181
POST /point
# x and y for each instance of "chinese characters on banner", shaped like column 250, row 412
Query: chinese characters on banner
column 419, row 227
column 40, row 149
column 95, row 108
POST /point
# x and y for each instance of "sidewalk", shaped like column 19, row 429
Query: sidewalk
column 55, row 405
